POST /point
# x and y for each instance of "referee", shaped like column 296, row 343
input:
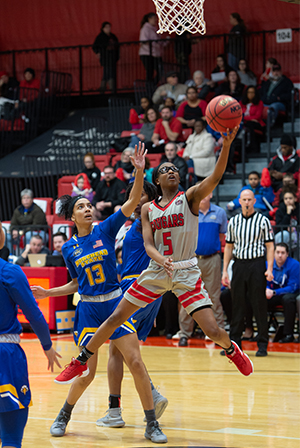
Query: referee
column 248, row 235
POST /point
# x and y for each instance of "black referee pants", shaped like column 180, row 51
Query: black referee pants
column 248, row 279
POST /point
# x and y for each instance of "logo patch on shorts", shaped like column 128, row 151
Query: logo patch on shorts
column 77, row 252
column 24, row 389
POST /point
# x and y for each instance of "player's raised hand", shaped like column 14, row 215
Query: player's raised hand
column 168, row 266
column 38, row 292
column 138, row 160
column 229, row 136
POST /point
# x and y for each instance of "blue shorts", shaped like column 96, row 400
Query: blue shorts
column 90, row 315
column 14, row 385
column 143, row 318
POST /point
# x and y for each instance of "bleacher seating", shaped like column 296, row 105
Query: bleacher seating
column 64, row 185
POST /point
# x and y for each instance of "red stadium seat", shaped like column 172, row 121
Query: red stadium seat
column 154, row 159
column 101, row 161
column 128, row 133
column 64, row 185
column 186, row 133
column 45, row 204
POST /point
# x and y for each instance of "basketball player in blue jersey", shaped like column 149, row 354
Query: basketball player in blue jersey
column 170, row 227
column 90, row 258
column 134, row 261
column 15, row 394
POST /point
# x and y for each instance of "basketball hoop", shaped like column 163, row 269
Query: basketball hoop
column 178, row 16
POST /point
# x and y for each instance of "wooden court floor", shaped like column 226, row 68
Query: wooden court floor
column 210, row 403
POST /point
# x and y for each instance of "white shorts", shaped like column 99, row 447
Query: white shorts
column 186, row 284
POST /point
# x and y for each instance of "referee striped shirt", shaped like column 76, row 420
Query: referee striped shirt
column 249, row 235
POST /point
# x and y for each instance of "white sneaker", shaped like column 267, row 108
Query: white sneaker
column 176, row 336
column 112, row 419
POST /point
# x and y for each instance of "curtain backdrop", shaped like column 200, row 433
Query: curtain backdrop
column 38, row 24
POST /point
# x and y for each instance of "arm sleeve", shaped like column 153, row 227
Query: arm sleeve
column 207, row 147
column 19, row 290
column 13, row 221
column 255, row 112
column 180, row 110
column 69, row 265
column 292, row 285
column 223, row 227
column 20, row 261
column 268, row 231
column 157, row 127
column 118, row 198
column 156, row 98
column 39, row 217
column 268, row 193
column 229, row 234
column 236, row 201
column 176, row 127
column 282, row 217
column 112, row 224
column 203, row 106
column 189, row 143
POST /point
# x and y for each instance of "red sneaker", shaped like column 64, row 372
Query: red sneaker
column 241, row 360
column 72, row 371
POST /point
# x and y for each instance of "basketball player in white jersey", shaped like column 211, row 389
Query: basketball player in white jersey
column 170, row 231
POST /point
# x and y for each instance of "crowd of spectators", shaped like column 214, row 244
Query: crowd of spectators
column 178, row 105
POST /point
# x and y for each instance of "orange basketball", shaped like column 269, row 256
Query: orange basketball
column 223, row 112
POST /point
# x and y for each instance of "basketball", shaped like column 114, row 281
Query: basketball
column 223, row 112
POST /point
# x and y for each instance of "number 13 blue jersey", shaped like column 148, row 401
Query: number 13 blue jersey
column 91, row 258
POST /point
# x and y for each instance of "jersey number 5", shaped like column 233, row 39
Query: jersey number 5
column 167, row 242
column 98, row 276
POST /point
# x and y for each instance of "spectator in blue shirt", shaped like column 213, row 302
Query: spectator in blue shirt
column 211, row 230
column 260, row 193
column 284, row 288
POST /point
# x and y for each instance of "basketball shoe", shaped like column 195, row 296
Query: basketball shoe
column 241, row 360
column 58, row 427
column 112, row 419
column 72, row 371
column 155, row 434
column 160, row 403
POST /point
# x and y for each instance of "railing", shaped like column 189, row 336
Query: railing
column 30, row 112
column 83, row 65
column 23, row 235
column 289, row 235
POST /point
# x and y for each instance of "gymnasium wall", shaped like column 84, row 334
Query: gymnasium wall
column 38, row 24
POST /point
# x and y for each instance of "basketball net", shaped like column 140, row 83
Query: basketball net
column 178, row 16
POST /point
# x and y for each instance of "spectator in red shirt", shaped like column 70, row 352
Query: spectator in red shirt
column 29, row 81
column 252, row 108
column 168, row 129
column 191, row 110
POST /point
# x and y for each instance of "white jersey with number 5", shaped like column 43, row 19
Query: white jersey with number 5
column 175, row 228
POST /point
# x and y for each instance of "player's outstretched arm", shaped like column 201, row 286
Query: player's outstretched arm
column 198, row 192
column 138, row 161
column 41, row 293
column 151, row 250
